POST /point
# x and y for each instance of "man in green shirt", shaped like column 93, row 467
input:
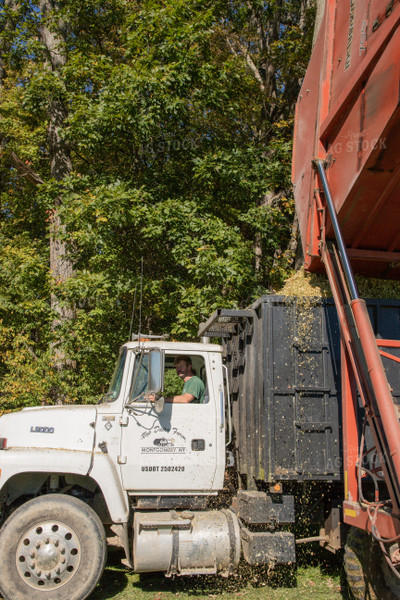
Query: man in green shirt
column 193, row 387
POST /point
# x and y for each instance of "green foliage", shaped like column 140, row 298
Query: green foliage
column 24, row 322
column 172, row 384
column 174, row 145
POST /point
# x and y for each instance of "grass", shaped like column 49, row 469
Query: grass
column 321, row 580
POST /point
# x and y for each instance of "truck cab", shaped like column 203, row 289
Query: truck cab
column 134, row 465
column 179, row 449
column 125, row 445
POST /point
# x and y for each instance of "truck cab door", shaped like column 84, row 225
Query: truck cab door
column 174, row 450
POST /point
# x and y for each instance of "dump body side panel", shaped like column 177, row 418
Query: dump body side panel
column 285, row 371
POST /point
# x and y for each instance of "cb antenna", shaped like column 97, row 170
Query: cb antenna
column 141, row 297
column 133, row 312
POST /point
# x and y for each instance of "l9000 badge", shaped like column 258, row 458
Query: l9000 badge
column 39, row 429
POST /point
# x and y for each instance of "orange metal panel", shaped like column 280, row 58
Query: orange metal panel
column 348, row 114
column 350, row 431
column 358, row 516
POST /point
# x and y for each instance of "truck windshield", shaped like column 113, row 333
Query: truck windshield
column 116, row 381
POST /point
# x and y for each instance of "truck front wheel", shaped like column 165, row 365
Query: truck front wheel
column 51, row 547
column 368, row 573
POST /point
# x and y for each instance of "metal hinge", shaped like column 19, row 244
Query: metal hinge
column 124, row 420
column 121, row 460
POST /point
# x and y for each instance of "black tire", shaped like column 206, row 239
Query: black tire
column 53, row 547
column 368, row 574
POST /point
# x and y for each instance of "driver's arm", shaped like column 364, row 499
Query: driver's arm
column 181, row 399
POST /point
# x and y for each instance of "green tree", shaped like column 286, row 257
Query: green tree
column 130, row 130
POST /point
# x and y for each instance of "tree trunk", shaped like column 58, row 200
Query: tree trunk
column 61, row 267
column 9, row 5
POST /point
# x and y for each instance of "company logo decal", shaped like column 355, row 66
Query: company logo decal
column 163, row 446
column 157, row 429
column 163, row 442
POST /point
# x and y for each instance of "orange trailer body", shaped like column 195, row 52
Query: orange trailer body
column 346, row 176
column 348, row 114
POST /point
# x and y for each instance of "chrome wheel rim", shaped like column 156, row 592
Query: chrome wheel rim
column 48, row 555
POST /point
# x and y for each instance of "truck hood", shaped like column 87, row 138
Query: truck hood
column 61, row 427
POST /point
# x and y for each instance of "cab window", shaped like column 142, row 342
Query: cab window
column 174, row 376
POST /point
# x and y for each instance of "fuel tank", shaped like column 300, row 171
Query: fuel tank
column 188, row 543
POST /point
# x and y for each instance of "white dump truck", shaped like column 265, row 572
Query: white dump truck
column 70, row 472
column 186, row 488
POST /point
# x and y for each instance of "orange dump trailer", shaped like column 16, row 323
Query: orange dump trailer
column 348, row 115
column 346, row 176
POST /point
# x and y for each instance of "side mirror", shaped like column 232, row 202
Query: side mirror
column 159, row 404
column 147, row 376
column 156, row 368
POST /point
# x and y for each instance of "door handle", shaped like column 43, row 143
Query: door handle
column 198, row 445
